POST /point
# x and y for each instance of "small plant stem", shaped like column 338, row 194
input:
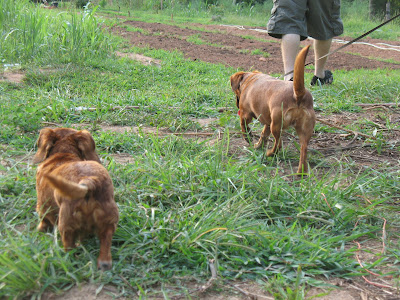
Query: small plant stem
column 344, row 129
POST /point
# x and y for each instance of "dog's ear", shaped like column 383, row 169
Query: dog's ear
column 86, row 145
column 236, row 79
column 46, row 141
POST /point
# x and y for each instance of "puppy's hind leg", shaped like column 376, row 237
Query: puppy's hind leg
column 67, row 233
column 264, row 135
column 104, row 261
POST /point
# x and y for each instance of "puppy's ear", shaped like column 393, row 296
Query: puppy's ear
column 86, row 145
column 236, row 79
column 45, row 143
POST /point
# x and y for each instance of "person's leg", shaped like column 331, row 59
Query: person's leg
column 290, row 47
column 288, row 23
column 323, row 23
column 321, row 48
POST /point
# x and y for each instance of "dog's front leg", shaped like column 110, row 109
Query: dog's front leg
column 47, row 214
column 263, row 138
column 246, row 131
column 46, row 224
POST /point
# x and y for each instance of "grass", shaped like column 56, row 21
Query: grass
column 260, row 52
column 182, row 201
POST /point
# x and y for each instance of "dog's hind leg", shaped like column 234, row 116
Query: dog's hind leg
column 67, row 232
column 304, row 139
column 68, row 239
column 264, row 135
column 104, row 261
column 246, row 131
column 276, row 129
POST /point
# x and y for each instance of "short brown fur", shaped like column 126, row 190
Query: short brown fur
column 277, row 104
column 74, row 190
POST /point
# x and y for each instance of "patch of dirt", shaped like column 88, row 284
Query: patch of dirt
column 147, row 61
column 12, row 76
column 11, row 160
column 85, row 292
column 334, row 142
column 228, row 45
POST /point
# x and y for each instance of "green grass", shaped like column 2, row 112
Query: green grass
column 182, row 201
column 254, row 14
column 260, row 52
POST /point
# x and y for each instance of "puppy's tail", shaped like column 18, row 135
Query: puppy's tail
column 68, row 188
column 298, row 75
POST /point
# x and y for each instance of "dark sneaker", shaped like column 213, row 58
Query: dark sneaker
column 328, row 79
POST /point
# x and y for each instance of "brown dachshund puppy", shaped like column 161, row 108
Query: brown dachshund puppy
column 75, row 190
column 277, row 104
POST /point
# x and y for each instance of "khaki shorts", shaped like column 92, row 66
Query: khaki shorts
column 319, row 19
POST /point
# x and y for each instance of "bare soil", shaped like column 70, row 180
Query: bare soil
column 229, row 46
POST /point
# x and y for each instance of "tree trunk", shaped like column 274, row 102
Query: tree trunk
column 377, row 8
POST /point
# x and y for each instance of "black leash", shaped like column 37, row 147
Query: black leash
column 351, row 42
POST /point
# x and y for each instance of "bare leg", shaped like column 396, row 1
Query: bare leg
column 321, row 48
column 290, row 47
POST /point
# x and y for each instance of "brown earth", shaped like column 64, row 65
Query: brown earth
column 227, row 45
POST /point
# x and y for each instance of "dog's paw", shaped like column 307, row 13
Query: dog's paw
column 44, row 227
column 104, row 265
column 257, row 145
column 270, row 152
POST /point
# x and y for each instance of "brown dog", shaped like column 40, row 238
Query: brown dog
column 73, row 187
column 277, row 104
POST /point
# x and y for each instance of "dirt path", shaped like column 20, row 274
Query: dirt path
column 230, row 45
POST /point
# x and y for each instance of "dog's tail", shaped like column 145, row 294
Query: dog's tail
column 68, row 188
column 298, row 75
